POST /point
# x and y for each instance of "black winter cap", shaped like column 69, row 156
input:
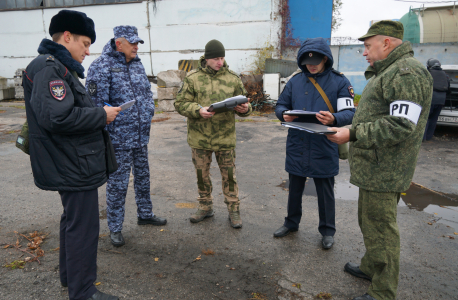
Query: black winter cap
column 214, row 49
column 74, row 21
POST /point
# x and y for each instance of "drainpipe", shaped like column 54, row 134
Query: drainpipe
column 149, row 36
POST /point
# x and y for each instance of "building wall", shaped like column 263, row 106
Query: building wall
column 176, row 30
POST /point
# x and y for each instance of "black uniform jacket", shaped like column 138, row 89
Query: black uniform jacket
column 67, row 150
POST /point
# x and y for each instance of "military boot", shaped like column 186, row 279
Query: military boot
column 200, row 215
column 234, row 218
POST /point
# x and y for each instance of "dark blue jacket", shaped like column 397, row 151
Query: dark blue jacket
column 313, row 155
column 111, row 80
column 67, row 151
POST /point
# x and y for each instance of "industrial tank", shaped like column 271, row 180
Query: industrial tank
column 431, row 24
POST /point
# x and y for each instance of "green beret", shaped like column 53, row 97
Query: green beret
column 389, row 28
column 214, row 49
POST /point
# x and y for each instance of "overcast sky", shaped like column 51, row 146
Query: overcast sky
column 356, row 14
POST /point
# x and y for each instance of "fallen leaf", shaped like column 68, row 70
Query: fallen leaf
column 56, row 249
column 161, row 230
column 452, row 237
column 9, row 245
column 156, row 259
column 435, row 213
column 403, row 194
column 429, row 223
column 97, row 283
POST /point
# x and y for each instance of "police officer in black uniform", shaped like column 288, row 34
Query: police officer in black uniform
column 441, row 88
column 67, row 148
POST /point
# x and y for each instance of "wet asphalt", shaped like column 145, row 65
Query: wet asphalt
column 211, row 260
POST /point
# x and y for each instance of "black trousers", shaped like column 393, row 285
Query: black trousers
column 79, row 236
column 326, row 203
column 434, row 113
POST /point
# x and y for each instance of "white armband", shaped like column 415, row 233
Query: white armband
column 344, row 103
column 406, row 109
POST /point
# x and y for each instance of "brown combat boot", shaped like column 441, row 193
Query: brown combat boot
column 234, row 218
column 200, row 215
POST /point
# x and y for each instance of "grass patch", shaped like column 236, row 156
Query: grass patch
column 19, row 106
column 2, row 111
column 356, row 100
column 275, row 121
column 17, row 264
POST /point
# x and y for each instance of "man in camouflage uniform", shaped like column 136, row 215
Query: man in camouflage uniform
column 208, row 132
column 115, row 78
column 386, row 135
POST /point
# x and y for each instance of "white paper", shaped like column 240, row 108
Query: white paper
column 301, row 112
column 127, row 105
column 240, row 97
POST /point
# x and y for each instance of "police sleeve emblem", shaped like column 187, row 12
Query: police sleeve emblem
column 57, row 89
column 351, row 91
column 92, row 88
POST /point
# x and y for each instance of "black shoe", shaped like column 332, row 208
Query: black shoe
column 63, row 284
column 354, row 270
column 327, row 241
column 116, row 239
column 365, row 297
column 102, row 296
column 283, row 231
column 155, row 220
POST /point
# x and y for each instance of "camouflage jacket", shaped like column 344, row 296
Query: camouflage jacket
column 389, row 122
column 111, row 80
column 201, row 88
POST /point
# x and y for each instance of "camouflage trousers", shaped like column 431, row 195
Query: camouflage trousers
column 226, row 162
column 377, row 219
column 137, row 160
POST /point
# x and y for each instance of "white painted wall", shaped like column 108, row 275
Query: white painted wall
column 178, row 30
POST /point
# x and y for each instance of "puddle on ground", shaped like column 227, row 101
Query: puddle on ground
column 444, row 207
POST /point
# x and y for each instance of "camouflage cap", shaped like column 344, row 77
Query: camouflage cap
column 389, row 28
column 130, row 33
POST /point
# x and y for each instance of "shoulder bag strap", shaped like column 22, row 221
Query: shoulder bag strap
column 322, row 93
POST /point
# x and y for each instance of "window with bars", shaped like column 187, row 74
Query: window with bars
column 19, row 4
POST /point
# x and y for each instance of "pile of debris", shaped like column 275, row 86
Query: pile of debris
column 18, row 89
column 168, row 85
column 254, row 85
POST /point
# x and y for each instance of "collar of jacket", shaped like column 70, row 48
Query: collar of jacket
column 62, row 54
column 206, row 69
column 405, row 49
column 110, row 50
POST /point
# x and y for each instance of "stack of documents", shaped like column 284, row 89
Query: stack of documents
column 228, row 104
column 309, row 127
column 300, row 113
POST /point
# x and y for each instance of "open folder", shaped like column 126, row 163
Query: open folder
column 300, row 113
column 309, row 127
column 228, row 104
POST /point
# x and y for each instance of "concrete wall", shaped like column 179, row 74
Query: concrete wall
column 178, row 29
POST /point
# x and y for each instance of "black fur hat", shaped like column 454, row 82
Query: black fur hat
column 74, row 21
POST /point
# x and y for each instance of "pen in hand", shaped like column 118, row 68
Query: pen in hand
column 112, row 106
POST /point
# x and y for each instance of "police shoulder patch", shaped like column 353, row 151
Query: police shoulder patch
column 351, row 91
column 92, row 88
column 50, row 58
column 57, row 89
